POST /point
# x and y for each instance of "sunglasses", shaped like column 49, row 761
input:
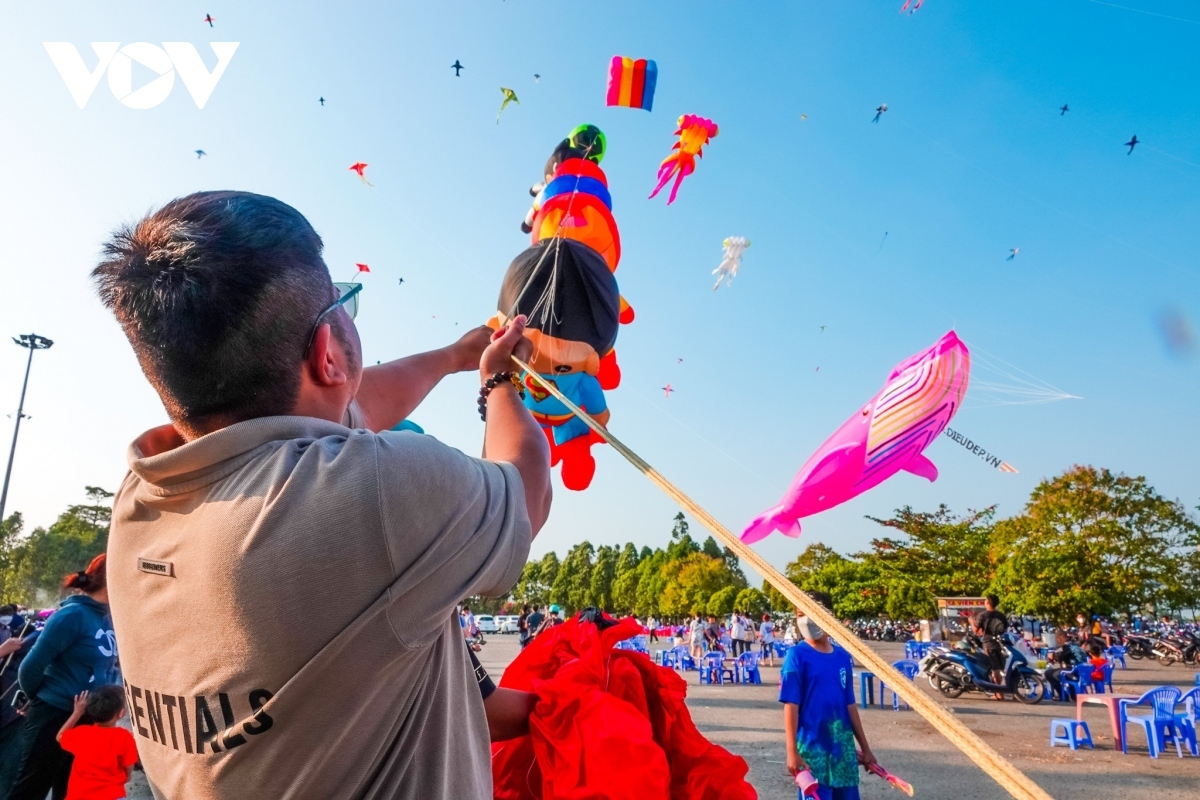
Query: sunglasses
column 348, row 297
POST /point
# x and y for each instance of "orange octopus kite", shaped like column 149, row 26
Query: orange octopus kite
column 694, row 132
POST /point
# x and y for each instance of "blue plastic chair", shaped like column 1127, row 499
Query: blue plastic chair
column 1077, row 680
column 747, row 666
column 866, row 688
column 1074, row 733
column 680, row 658
column 909, row 669
column 1187, row 720
column 714, row 670
column 1116, row 654
column 1097, row 686
column 1159, row 726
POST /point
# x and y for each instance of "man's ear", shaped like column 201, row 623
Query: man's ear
column 326, row 361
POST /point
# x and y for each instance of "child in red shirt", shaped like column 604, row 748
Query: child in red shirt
column 1098, row 661
column 104, row 754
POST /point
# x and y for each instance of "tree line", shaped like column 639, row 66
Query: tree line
column 686, row 577
column 32, row 567
column 1088, row 541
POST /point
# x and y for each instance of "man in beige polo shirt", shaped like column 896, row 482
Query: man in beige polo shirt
column 282, row 575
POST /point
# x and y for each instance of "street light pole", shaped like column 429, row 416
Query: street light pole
column 33, row 342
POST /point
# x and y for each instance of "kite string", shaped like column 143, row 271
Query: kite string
column 1000, row 769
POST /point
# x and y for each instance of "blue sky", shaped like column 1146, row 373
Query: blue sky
column 971, row 159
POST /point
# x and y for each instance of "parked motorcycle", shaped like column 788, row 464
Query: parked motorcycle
column 1138, row 647
column 966, row 668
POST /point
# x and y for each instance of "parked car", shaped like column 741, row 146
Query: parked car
column 508, row 624
column 486, row 623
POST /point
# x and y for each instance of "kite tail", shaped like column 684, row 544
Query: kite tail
column 686, row 169
column 664, row 174
column 775, row 519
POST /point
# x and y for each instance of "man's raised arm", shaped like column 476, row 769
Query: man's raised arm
column 390, row 392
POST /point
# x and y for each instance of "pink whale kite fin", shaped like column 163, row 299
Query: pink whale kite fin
column 886, row 436
column 922, row 467
column 770, row 521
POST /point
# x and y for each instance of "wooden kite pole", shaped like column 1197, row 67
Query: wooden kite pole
column 1015, row 782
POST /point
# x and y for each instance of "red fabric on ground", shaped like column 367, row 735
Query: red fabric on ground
column 608, row 725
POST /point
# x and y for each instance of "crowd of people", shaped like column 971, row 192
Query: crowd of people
column 62, row 697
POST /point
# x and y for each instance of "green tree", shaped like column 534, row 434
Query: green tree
column 691, row 581
column 10, row 534
column 775, row 598
column 1093, row 541
column 36, row 565
column 548, row 569
column 721, row 601
column 650, row 584
column 752, row 602
column 625, row 582
column 572, row 586
column 939, row 554
column 711, row 549
column 529, row 588
column 604, row 573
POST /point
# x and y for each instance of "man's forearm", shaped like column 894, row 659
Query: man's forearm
column 508, row 713
column 512, row 435
column 391, row 391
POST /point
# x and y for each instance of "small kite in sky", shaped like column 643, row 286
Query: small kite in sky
column 1063, row 110
column 322, row 99
column 822, row 329
column 1013, row 253
column 509, row 97
column 401, row 282
column 209, row 19
column 694, row 132
column 906, row 5
column 731, row 260
column 457, row 67
column 200, row 154
column 803, row 117
column 879, row 112
column 1132, row 143
column 679, row 361
column 536, row 77
column 667, row 390
column 361, row 169
column 361, row 268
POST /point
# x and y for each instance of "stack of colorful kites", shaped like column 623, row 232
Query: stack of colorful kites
column 564, row 285
column 631, row 83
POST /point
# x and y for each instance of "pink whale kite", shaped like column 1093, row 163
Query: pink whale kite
column 886, row 436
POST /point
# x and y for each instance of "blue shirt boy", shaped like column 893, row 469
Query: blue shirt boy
column 822, row 686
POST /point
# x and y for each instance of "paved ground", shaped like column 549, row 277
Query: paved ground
column 747, row 720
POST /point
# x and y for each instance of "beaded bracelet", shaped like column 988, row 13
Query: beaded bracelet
column 491, row 383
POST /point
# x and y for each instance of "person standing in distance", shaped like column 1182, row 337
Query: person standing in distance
column 990, row 625
column 280, row 509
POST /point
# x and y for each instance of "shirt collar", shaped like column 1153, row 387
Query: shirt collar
column 162, row 459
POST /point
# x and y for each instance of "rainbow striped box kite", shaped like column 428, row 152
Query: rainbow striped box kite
column 631, row 83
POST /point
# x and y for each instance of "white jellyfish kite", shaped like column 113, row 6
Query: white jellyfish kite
column 731, row 260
